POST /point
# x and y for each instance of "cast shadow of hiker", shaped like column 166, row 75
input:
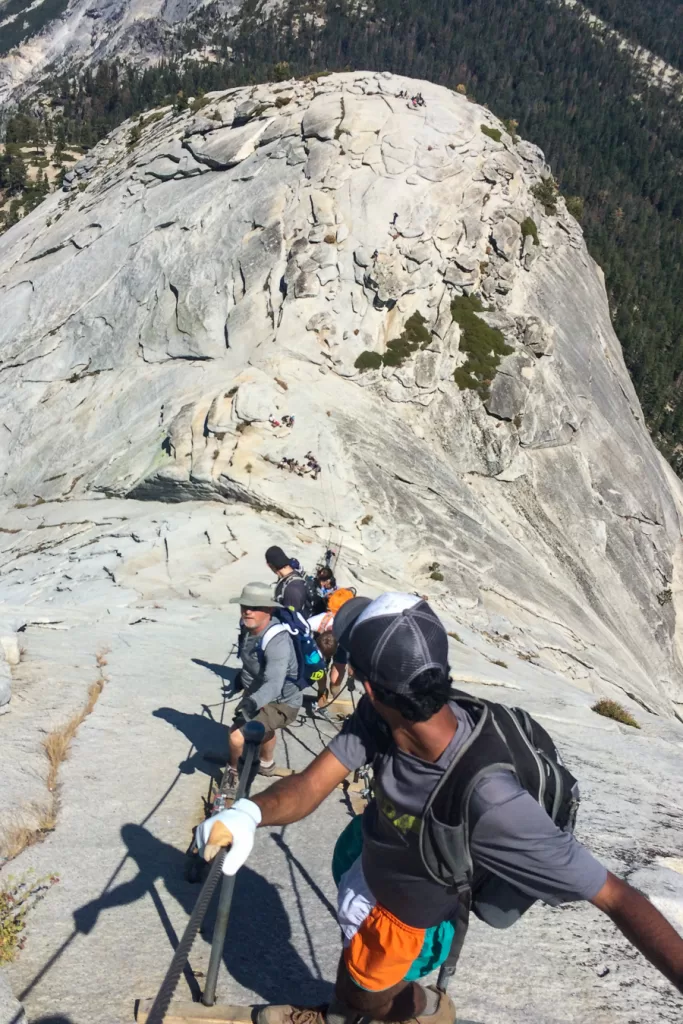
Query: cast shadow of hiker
column 53, row 1020
column 205, row 734
column 225, row 672
column 258, row 950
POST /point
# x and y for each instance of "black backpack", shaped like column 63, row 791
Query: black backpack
column 314, row 603
column 503, row 739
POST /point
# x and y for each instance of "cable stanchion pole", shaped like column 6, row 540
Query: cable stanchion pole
column 253, row 737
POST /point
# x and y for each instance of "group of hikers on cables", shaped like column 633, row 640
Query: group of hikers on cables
column 285, row 645
column 472, row 809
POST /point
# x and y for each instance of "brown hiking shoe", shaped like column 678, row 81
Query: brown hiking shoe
column 229, row 784
column 445, row 1011
column 292, row 1015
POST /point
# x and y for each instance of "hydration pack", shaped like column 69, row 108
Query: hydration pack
column 502, row 739
column 310, row 662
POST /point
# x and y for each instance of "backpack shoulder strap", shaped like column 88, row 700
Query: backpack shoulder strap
column 273, row 630
column 444, row 832
column 498, row 742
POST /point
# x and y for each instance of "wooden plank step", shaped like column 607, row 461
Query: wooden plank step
column 186, row 1013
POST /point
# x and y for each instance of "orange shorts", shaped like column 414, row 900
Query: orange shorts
column 379, row 950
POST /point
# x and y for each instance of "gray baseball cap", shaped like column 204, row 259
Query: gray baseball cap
column 392, row 639
column 256, row 595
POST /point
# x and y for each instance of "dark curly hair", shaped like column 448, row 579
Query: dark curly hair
column 327, row 645
column 428, row 693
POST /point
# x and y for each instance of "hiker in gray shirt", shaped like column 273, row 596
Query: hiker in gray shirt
column 268, row 677
column 399, row 910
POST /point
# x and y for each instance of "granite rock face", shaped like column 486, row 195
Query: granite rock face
column 179, row 299
column 136, row 592
column 89, row 31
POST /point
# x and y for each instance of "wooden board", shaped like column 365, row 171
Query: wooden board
column 186, row 1013
column 343, row 703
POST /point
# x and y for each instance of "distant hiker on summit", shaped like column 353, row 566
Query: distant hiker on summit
column 473, row 809
column 290, row 589
column 269, row 674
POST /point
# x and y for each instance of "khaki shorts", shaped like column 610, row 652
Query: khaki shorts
column 272, row 716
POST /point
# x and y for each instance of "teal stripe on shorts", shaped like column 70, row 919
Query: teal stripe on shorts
column 437, row 940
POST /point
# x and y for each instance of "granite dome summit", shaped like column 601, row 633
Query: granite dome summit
column 333, row 252
column 233, row 265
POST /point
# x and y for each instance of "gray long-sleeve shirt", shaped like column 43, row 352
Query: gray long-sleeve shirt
column 267, row 681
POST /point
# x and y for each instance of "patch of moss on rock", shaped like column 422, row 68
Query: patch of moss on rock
column 368, row 361
column 493, row 133
column 485, row 346
column 415, row 336
column 528, row 227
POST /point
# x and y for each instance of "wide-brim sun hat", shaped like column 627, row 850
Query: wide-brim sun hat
column 256, row 595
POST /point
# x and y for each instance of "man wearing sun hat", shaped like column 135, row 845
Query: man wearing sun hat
column 395, row 918
column 268, row 677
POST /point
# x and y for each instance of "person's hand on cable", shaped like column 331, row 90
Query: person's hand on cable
column 234, row 828
column 246, row 709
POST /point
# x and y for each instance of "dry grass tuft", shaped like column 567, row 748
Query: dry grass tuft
column 15, row 839
column 612, row 709
column 18, row 836
column 57, row 746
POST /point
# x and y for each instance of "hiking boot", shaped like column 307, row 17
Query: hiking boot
column 230, row 783
column 445, row 1011
column 291, row 1015
column 269, row 769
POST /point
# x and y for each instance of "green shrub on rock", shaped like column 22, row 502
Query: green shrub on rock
column 528, row 227
column 368, row 361
column 545, row 191
column 485, row 346
column 281, row 71
column 493, row 133
column 575, row 206
column 415, row 336
column 612, row 709
column 511, row 127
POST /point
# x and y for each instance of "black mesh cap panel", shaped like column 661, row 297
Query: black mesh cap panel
column 393, row 649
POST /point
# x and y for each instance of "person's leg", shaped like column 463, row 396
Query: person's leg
column 272, row 717
column 267, row 752
column 236, row 741
column 402, row 1001
column 380, row 952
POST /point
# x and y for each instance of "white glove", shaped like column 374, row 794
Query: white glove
column 234, row 828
